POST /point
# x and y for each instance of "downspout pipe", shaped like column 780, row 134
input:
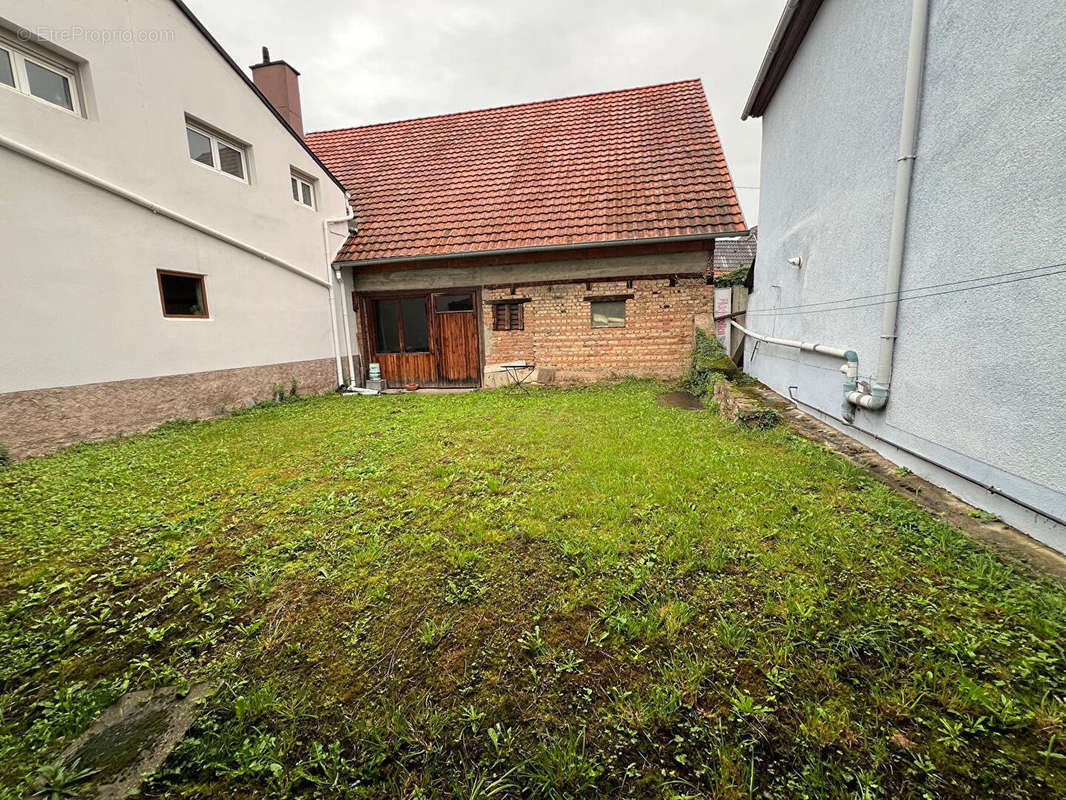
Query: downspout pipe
column 332, row 297
column 347, row 335
column 874, row 396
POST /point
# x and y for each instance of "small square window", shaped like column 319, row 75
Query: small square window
column 231, row 160
column 182, row 294
column 608, row 314
column 49, row 85
column 508, row 317
column 303, row 192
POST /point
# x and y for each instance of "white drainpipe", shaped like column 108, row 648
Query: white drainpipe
column 347, row 336
column 873, row 395
column 850, row 367
column 332, row 298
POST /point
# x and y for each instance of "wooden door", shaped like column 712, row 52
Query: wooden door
column 455, row 323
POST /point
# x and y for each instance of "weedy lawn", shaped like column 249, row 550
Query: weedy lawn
column 571, row 594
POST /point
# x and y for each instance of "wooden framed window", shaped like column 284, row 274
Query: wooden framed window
column 182, row 294
column 401, row 325
column 453, row 303
column 508, row 316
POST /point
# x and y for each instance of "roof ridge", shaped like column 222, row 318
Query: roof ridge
column 509, row 105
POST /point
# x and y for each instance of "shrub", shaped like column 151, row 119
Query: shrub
column 5, row 455
column 709, row 364
column 736, row 277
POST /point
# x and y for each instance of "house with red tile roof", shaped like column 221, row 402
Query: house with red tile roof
column 573, row 235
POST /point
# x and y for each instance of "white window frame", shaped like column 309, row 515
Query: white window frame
column 216, row 140
column 301, row 181
column 19, row 55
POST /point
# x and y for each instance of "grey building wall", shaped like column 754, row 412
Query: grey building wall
column 979, row 384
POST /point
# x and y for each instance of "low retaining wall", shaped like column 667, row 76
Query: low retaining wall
column 41, row 421
column 738, row 407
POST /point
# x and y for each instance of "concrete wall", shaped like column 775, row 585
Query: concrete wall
column 979, row 383
column 78, row 271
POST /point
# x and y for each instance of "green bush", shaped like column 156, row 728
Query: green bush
column 709, row 364
column 736, row 277
column 5, row 455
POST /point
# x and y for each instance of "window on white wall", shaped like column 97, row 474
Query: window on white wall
column 303, row 190
column 217, row 153
column 182, row 294
column 45, row 77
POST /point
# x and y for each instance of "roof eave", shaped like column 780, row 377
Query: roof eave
column 795, row 21
column 362, row 262
column 248, row 81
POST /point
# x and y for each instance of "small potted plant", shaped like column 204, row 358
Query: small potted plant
column 410, row 386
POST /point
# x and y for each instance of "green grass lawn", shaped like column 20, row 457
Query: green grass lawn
column 571, row 594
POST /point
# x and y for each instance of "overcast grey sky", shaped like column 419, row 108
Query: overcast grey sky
column 364, row 61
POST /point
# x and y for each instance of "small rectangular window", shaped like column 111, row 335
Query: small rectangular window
column 200, row 147
column 7, row 74
column 49, row 85
column 182, row 294
column 508, row 317
column 231, row 160
column 386, row 326
column 449, row 303
column 610, row 314
column 208, row 149
column 415, row 325
column 39, row 75
column 303, row 191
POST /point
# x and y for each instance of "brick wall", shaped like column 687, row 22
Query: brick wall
column 656, row 340
column 42, row 421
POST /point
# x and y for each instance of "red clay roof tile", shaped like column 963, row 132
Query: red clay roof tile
column 617, row 166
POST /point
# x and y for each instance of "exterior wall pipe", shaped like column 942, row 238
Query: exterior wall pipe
column 873, row 395
column 810, row 347
column 347, row 339
column 877, row 396
column 850, row 367
column 332, row 297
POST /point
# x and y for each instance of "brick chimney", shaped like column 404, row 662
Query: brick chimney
column 281, row 85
